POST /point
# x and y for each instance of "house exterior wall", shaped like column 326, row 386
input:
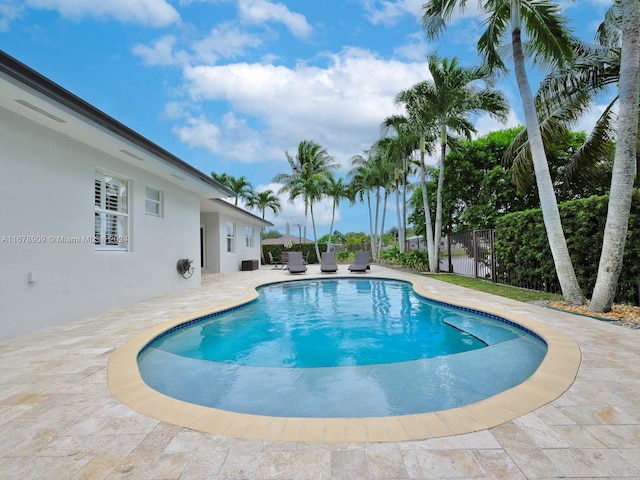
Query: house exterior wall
column 51, row 270
column 210, row 222
column 219, row 260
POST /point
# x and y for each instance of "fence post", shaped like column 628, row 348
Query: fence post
column 449, row 255
column 494, row 276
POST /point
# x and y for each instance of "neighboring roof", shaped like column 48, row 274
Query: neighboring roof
column 217, row 204
column 282, row 240
column 44, row 89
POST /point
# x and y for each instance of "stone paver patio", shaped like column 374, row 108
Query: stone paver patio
column 59, row 420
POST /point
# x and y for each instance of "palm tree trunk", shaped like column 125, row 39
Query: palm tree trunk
column 548, row 203
column 427, row 212
column 333, row 217
column 371, row 239
column 624, row 166
column 437, row 234
column 374, row 236
column 399, row 220
column 384, row 211
column 315, row 237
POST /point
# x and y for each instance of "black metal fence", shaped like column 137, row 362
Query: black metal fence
column 472, row 254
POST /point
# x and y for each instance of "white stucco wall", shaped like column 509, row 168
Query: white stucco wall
column 218, row 259
column 46, row 192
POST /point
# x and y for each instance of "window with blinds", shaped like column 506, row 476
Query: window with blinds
column 111, row 213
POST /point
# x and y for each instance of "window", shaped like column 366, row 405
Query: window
column 111, row 213
column 153, row 202
column 231, row 237
column 248, row 235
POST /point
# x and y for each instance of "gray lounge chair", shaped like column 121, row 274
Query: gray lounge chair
column 362, row 263
column 328, row 263
column 296, row 263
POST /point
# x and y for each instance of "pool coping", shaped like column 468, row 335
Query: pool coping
column 553, row 377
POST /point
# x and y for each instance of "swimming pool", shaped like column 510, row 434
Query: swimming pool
column 380, row 350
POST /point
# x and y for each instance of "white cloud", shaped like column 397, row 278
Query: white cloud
column 262, row 11
column 161, row 52
column 152, row 13
column 389, row 12
column 339, row 106
column 415, row 49
column 226, row 41
column 231, row 138
column 9, row 12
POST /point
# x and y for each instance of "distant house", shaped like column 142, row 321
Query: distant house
column 63, row 256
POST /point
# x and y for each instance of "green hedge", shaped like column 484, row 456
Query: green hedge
column 524, row 257
column 308, row 251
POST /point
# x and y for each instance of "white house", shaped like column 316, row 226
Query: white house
column 63, row 257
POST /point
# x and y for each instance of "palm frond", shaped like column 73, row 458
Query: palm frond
column 596, row 149
column 549, row 31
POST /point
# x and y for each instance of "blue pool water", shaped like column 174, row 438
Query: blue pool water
column 340, row 348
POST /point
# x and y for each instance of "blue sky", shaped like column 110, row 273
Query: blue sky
column 230, row 85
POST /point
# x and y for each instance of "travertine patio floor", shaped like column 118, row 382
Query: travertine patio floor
column 59, row 419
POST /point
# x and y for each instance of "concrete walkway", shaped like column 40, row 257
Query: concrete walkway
column 59, row 420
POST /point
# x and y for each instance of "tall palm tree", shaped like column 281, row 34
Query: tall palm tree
column 361, row 185
column 262, row 201
column 369, row 174
column 403, row 144
column 311, row 189
column 624, row 166
column 563, row 97
column 550, row 42
column 310, row 167
column 420, row 123
column 455, row 97
column 336, row 189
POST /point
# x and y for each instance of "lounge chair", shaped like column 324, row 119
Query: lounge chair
column 296, row 263
column 276, row 265
column 284, row 259
column 328, row 263
column 362, row 263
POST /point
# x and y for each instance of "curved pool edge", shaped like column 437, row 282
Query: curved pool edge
column 553, row 377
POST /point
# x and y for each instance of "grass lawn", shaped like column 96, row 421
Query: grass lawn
column 513, row 293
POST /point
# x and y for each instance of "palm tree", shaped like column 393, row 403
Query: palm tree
column 551, row 42
column 564, row 96
column 262, row 201
column 369, row 175
column 624, row 165
column 401, row 150
column 361, row 184
column 336, row 190
column 311, row 190
column 452, row 97
column 420, row 123
column 240, row 186
column 310, row 166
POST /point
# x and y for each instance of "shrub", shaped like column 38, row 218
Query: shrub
column 524, row 258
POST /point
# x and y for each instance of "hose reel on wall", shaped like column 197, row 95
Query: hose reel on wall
column 185, row 267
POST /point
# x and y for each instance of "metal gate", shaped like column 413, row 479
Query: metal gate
column 470, row 253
